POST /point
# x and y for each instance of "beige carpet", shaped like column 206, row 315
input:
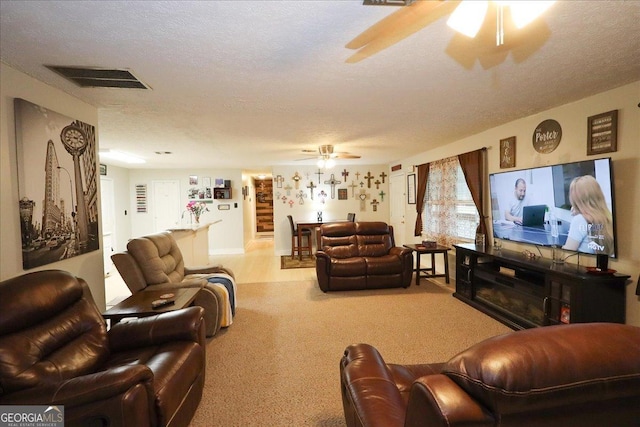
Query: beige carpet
column 307, row 261
column 277, row 365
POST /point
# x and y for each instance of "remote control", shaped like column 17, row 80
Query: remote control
column 161, row 303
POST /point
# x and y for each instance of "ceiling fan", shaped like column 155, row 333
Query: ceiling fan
column 326, row 156
column 467, row 16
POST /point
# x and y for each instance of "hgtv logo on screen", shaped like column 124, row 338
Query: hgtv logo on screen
column 31, row 416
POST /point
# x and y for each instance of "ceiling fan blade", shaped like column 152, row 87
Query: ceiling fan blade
column 345, row 156
column 412, row 19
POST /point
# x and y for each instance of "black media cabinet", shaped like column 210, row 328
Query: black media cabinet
column 525, row 293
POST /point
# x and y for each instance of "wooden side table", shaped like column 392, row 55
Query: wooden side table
column 139, row 304
column 430, row 272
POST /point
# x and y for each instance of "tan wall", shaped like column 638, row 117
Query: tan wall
column 573, row 147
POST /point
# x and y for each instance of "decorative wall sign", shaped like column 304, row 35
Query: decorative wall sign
column 57, row 184
column 508, row 152
column 193, row 180
column 411, row 189
column 141, row 198
column 224, row 207
column 602, row 133
column 547, row 136
column 103, row 169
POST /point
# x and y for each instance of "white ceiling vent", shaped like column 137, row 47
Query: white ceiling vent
column 99, row 77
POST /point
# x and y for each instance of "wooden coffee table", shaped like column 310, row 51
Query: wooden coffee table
column 139, row 304
column 430, row 272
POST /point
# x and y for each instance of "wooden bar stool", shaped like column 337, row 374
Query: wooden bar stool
column 296, row 247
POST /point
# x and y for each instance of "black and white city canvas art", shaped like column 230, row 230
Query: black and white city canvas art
column 57, row 184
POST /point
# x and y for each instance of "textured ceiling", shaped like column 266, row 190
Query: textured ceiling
column 249, row 84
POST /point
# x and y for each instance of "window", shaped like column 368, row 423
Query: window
column 449, row 216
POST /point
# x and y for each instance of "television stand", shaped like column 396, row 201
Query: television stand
column 526, row 293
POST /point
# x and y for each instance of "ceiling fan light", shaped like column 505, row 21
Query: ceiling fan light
column 524, row 12
column 329, row 163
column 320, row 163
column 468, row 17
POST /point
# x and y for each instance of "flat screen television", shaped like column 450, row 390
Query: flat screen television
column 569, row 205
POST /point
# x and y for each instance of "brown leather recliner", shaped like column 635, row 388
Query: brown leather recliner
column 361, row 255
column 55, row 350
column 155, row 262
column 569, row 375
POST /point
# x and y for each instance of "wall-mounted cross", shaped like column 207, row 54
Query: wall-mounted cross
column 322, row 196
column 375, row 203
column 357, row 176
column 345, row 174
column 311, row 187
column 301, row 195
column 288, row 188
column 353, row 187
column 377, row 183
column 319, row 173
column 363, row 197
column 382, row 194
column 296, row 178
column 332, row 182
column 383, row 176
column 279, row 180
column 368, row 177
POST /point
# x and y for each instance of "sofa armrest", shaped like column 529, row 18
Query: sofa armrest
column 87, row 388
column 370, row 396
column 180, row 325
column 323, row 262
column 436, row 400
column 210, row 269
column 397, row 250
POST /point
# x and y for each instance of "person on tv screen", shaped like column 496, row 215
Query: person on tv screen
column 514, row 213
column 591, row 228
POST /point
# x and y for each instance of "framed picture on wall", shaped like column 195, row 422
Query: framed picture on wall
column 342, row 194
column 411, row 188
column 602, row 133
column 57, row 185
column 508, row 152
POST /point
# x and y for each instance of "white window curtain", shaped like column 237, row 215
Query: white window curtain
column 450, row 215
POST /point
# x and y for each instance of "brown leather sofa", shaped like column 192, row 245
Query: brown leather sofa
column 155, row 262
column 55, row 350
column 361, row 255
column 569, row 375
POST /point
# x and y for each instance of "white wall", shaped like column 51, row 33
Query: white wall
column 14, row 84
column 332, row 208
column 225, row 237
column 573, row 147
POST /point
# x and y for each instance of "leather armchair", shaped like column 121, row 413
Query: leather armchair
column 55, row 350
column 155, row 262
column 568, row 375
column 361, row 255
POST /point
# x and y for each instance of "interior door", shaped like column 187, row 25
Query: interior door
column 166, row 205
column 398, row 196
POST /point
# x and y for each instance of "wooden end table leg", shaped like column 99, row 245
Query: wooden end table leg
column 446, row 266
